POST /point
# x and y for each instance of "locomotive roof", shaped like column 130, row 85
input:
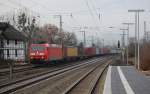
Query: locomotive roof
column 49, row 45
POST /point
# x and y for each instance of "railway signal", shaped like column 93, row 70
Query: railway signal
column 118, row 44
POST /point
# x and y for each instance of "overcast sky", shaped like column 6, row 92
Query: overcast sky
column 85, row 14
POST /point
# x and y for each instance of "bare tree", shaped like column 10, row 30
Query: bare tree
column 47, row 33
column 144, row 56
column 50, row 34
column 70, row 39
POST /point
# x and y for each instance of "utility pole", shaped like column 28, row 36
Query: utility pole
column 145, row 35
column 103, row 46
column 84, row 37
column 137, row 30
column 92, row 39
column 123, row 38
column 148, row 33
column 135, row 40
column 128, row 24
column 60, row 22
column 60, row 26
column 123, row 44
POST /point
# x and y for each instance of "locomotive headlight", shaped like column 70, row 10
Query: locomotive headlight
column 32, row 53
column 41, row 53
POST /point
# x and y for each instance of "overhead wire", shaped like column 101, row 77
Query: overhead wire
column 5, row 5
column 92, row 15
column 90, row 11
column 96, row 22
column 49, row 11
column 93, row 3
column 43, row 6
column 23, row 6
column 95, row 9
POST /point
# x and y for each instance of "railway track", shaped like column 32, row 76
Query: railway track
column 15, row 66
column 5, row 79
column 24, row 75
column 14, row 86
column 87, row 84
column 5, row 71
column 65, row 83
column 35, row 72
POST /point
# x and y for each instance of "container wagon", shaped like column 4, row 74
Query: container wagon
column 90, row 51
column 71, row 53
column 52, row 53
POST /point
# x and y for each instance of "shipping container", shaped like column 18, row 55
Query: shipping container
column 90, row 51
column 55, row 52
column 97, row 51
column 115, row 51
column 104, row 51
column 72, row 51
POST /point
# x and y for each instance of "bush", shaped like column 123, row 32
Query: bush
column 145, row 56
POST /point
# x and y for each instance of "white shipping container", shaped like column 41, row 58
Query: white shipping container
column 97, row 51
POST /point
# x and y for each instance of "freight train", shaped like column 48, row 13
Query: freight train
column 46, row 53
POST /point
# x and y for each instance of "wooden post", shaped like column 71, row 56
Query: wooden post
column 11, row 65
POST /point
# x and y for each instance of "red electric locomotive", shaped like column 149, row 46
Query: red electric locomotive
column 45, row 52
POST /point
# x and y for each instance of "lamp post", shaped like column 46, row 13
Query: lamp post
column 137, row 28
column 128, row 24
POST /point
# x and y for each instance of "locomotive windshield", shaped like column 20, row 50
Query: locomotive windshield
column 38, row 48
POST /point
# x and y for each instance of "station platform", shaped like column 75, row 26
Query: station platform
column 126, row 80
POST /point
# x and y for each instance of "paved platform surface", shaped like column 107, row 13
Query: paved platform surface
column 126, row 80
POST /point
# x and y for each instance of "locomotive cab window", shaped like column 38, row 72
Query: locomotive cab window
column 37, row 48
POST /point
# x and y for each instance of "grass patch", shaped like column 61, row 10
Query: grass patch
column 102, row 81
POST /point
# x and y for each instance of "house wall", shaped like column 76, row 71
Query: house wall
column 14, row 51
column 1, row 51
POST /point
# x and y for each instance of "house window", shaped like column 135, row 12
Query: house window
column 7, row 42
column 16, row 53
column 1, row 43
column 8, row 53
column 15, row 42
